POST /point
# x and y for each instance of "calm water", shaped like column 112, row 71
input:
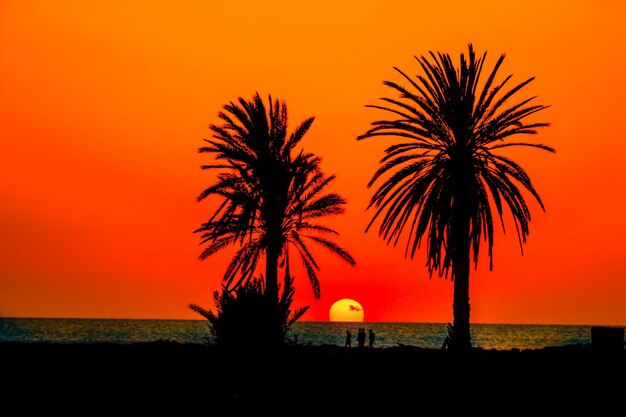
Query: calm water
column 498, row 336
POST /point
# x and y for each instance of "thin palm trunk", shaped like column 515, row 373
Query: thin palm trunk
column 273, row 219
column 461, row 241
column 271, row 273
column 272, row 255
column 271, row 292
column 461, row 338
column 273, row 214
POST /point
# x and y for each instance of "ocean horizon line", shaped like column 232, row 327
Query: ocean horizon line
column 318, row 321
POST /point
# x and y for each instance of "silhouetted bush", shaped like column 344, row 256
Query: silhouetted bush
column 246, row 317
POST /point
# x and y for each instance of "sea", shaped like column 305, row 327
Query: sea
column 427, row 335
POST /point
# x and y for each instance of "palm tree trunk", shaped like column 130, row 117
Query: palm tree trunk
column 460, row 239
column 461, row 340
column 271, row 273
column 273, row 214
column 273, row 222
column 275, row 323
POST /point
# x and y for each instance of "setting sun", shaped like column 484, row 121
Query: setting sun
column 346, row 310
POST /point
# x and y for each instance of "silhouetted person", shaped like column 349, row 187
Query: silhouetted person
column 372, row 338
column 360, row 338
column 348, row 339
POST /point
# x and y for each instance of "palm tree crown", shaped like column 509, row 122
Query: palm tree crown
column 444, row 181
column 454, row 129
column 271, row 195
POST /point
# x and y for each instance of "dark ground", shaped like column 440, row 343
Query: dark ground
column 306, row 380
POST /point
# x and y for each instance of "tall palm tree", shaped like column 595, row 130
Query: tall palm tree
column 272, row 196
column 444, row 179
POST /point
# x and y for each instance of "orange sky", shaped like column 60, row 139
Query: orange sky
column 103, row 105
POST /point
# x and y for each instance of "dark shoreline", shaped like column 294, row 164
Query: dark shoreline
column 316, row 375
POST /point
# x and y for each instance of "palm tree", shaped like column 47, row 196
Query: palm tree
column 444, row 179
column 272, row 196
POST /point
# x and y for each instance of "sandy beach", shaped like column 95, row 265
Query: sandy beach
column 312, row 377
